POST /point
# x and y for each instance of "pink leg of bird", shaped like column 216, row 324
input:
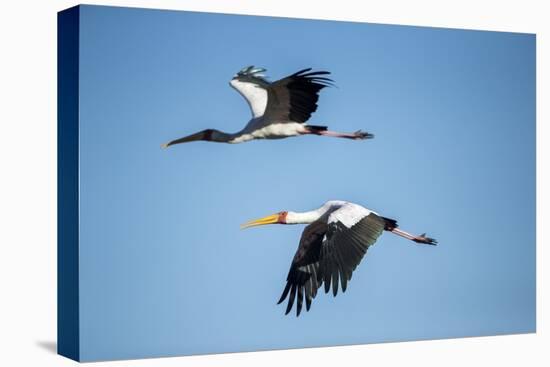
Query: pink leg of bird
column 418, row 239
column 358, row 135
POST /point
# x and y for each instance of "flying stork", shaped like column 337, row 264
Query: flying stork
column 279, row 109
column 332, row 245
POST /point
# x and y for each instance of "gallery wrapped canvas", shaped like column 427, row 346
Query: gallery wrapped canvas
column 232, row 183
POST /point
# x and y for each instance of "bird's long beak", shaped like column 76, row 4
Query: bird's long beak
column 270, row 219
column 186, row 139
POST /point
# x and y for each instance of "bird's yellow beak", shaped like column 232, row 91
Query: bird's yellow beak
column 270, row 219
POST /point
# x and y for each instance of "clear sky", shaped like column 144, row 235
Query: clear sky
column 165, row 269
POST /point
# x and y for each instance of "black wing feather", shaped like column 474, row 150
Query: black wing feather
column 302, row 276
column 294, row 98
column 347, row 246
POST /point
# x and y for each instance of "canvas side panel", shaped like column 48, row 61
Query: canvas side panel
column 67, row 183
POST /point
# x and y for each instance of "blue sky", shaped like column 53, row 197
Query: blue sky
column 165, row 269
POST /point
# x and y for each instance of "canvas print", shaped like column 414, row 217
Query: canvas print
column 233, row 183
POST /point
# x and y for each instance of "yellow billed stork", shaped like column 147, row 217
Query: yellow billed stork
column 332, row 245
column 279, row 109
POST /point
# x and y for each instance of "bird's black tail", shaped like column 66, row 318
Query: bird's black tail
column 314, row 128
column 389, row 224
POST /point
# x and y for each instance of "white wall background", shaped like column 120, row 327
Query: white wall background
column 28, row 181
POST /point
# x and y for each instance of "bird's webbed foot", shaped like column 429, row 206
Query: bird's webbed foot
column 426, row 240
column 362, row 135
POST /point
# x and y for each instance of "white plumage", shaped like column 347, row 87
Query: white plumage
column 348, row 214
column 255, row 96
column 257, row 130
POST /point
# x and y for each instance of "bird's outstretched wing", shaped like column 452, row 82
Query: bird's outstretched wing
column 291, row 99
column 294, row 98
column 345, row 246
column 330, row 249
column 302, row 279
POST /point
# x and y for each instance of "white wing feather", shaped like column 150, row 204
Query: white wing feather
column 255, row 96
column 348, row 214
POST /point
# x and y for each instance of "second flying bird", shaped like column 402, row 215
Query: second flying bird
column 279, row 109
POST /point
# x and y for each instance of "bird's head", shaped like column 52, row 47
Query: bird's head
column 206, row 135
column 201, row 135
column 277, row 218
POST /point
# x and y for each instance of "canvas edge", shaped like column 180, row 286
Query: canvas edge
column 68, row 328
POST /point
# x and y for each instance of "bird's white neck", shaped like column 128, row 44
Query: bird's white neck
column 302, row 218
column 313, row 215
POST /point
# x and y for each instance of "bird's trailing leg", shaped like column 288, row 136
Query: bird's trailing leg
column 358, row 135
column 418, row 239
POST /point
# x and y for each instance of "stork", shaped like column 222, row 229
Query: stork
column 332, row 245
column 279, row 109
